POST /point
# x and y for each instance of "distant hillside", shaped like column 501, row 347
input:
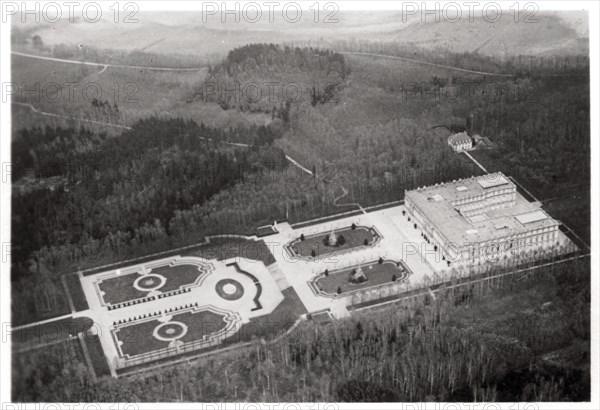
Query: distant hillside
column 562, row 33
column 551, row 34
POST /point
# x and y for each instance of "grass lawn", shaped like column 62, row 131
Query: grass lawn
column 177, row 276
column 275, row 323
column 138, row 338
column 574, row 211
column 217, row 248
column 376, row 273
column 200, row 324
column 76, row 292
column 354, row 238
column 226, row 248
column 265, row 231
column 120, row 289
column 97, row 356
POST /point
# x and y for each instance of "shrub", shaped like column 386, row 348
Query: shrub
column 364, row 391
column 313, row 253
column 394, row 278
column 301, row 237
column 339, row 290
column 341, row 240
column 366, row 242
column 353, row 226
column 326, row 273
column 380, row 260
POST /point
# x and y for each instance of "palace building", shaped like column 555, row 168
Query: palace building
column 480, row 217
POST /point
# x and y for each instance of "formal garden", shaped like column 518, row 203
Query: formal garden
column 336, row 241
column 127, row 287
column 147, row 336
column 358, row 277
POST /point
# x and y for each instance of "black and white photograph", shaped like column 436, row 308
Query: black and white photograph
column 299, row 205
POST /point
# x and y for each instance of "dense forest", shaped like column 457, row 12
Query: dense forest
column 552, row 118
column 268, row 78
column 532, row 346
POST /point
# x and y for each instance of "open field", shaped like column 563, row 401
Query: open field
column 137, row 94
column 69, row 90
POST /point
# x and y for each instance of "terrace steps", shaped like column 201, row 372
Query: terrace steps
column 280, row 279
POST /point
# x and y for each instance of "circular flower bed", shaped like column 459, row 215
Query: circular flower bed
column 229, row 289
column 149, row 282
column 170, row 331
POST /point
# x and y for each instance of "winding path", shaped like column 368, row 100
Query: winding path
column 427, row 63
column 65, row 117
column 104, row 65
column 344, row 194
